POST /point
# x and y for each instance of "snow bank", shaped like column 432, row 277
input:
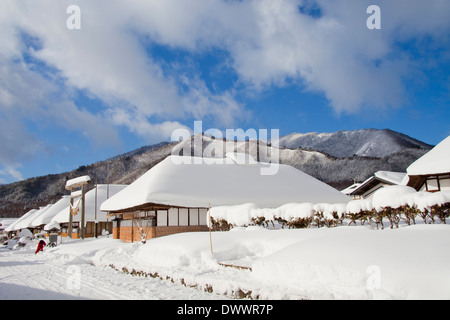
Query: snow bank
column 411, row 262
column 349, row 263
column 339, row 263
column 25, row 233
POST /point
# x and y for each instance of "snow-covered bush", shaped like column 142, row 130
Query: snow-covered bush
column 300, row 223
column 394, row 204
column 220, row 225
column 361, row 210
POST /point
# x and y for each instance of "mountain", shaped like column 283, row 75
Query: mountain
column 338, row 171
column 19, row 197
column 366, row 142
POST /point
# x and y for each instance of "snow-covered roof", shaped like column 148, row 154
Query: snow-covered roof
column 389, row 176
column 77, row 182
column 26, row 223
column 12, row 227
column 5, row 223
column 52, row 226
column 220, row 182
column 351, row 188
column 103, row 192
column 241, row 158
column 48, row 215
column 435, row 161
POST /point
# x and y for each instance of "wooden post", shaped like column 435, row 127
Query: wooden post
column 83, row 210
column 71, row 185
column 69, row 232
column 210, row 222
column 96, row 222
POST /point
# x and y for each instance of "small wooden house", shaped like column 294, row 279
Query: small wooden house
column 431, row 172
column 174, row 196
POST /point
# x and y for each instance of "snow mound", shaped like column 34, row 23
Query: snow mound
column 391, row 196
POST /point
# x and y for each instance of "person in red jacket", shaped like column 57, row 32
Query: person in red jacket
column 40, row 246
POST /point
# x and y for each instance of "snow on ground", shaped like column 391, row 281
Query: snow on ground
column 355, row 262
column 67, row 273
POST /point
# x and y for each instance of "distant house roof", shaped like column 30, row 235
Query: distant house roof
column 351, row 188
column 26, row 223
column 434, row 162
column 219, row 182
column 5, row 223
column 387, row 177
column 48, row 215
column 12, row 227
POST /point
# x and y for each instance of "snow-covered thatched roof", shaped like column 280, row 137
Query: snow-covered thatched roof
column 48, row 215
column 26, row 223
column 197, row 182
column 436, row 161
column 103, row 192
column 5, row 223
column 12, row 227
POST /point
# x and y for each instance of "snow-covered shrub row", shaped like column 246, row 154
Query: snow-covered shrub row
column 292, row 215
column 395, row 204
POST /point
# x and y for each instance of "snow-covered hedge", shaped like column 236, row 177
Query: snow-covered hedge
column 395, row 204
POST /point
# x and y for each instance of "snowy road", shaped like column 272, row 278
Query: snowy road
column 24, row 275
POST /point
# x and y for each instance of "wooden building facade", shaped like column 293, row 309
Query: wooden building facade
column 431, row 172
column 157, row 221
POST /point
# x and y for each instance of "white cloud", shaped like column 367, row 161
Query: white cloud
column 13, row 173
column 268, row 43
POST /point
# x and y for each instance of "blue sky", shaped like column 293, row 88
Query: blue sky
column 137, row 70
